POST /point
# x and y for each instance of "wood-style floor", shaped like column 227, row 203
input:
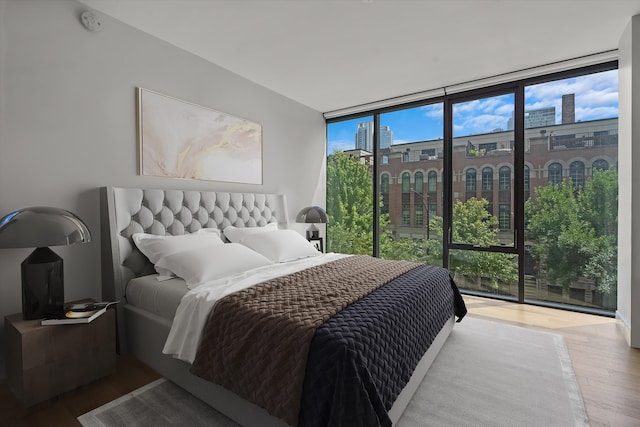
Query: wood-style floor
column 607, row 370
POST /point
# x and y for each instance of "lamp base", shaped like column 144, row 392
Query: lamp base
column 42, row 285
column 313, row 232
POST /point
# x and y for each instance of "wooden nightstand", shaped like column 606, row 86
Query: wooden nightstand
column 45, row 361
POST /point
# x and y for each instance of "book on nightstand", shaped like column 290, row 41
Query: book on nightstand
column 80, row 313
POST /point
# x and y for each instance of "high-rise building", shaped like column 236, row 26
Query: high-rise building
column 536, row 118
column 386, row 137
column 568, row 108
column 364, row 136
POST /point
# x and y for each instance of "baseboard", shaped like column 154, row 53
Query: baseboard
column 624, row 327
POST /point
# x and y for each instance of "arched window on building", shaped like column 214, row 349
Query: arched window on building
column 406, row 198
column 406, row 182
column 576, row 173
column 432, row 194
column 384, row 189
column 527, row 182
column 419, row 182
column 418, row 208
column 470, row 180
column 487, row 179
column 504, row 178
column 555, row 173
column 432, row 182
column 600, row 164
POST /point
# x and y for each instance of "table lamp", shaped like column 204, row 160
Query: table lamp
column 42, row 275
column 313, row 215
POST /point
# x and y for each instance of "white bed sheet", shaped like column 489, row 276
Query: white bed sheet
column 196, row 305
column 158, row 297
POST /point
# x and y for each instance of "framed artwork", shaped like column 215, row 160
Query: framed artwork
column 317, row 243
column 179, row 139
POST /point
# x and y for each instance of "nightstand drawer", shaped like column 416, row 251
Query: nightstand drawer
column 45, row 361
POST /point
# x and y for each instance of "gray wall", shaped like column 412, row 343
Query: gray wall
column 628, row 313
column 67, row 126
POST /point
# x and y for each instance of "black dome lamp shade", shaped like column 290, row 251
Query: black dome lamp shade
column 42, row 273
column 312, row 215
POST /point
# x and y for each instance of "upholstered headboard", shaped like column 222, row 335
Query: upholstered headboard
column 125, row 211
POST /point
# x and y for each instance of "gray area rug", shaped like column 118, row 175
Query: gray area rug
column 487, row 374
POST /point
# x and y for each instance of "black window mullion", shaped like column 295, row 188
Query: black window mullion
column 447, row 182
column 519, row 190
column 375, row 172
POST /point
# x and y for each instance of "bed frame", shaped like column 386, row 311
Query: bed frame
column 125, row 211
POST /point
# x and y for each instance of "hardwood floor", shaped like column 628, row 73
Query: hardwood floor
column 607, row 370
column 63, row 411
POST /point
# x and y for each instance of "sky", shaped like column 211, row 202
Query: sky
column 596, row 97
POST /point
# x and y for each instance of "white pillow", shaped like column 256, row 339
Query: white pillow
column 155, row 247
column 197, row 266
column 236, row 234
column 209, row 230
column 281, row 245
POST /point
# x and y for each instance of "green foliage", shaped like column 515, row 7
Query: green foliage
column 349, row 205
column 576, row 234
column 598, row 202
column 472, row 223
column 417, row 250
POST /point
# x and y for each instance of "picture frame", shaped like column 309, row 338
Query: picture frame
column 317, row 243
column 179, row 139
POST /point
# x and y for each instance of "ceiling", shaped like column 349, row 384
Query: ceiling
column 336, row 54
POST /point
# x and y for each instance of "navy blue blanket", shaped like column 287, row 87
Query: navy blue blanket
column 361, row 358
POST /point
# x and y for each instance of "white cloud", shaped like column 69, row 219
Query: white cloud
column 434, row 110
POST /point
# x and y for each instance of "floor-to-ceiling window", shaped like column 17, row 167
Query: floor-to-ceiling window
column 350, row 200
column 411, row 140
column 482, row 252
column 512, row 188
column 571, row 132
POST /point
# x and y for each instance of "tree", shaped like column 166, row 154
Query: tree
column 598, row 202
column 417, row 250
column 576, row 232
column 349, row 205
column 598, row 205
column 350, row 228
column 472, row 223
column 553, row 221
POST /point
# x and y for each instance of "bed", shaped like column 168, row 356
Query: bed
column 341, row 361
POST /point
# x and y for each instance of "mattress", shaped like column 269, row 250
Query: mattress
column 158, row 297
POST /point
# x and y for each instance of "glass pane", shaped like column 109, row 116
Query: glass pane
column 571, row 211
column 483, row 159
column 489, row 272
column 411, row 161
column 350, row 187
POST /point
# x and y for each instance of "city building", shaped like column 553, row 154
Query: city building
column 536, row 118
column 364, row 136
column 552, row 154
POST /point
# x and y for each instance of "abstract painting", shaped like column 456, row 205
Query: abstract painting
column 179, row 139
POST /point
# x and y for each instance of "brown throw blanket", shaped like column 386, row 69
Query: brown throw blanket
column 256, row 341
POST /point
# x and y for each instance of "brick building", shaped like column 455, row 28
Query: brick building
column 410, row 175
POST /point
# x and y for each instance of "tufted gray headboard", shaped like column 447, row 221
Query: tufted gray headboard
column 125, row 211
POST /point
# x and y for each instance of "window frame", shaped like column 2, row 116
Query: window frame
column 519, row 147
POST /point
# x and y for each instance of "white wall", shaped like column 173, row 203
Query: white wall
column 628, row 312
column 67, row 126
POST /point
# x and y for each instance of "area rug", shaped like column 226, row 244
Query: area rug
column 487, row 374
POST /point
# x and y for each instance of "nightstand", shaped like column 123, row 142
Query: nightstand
column 45, row 361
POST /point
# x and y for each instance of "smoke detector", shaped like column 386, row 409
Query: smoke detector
column 90, row 21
